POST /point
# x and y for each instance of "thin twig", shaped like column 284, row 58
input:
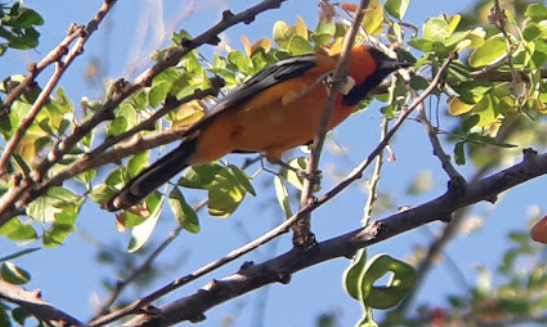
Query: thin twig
column 453, row 227
column 375, row 179
column 122, row 284
column 36, row 68
column 8, row 208
column 60, row 68
column 302, row 233
column 40, row 102
column 438, row 150
column 216, row 84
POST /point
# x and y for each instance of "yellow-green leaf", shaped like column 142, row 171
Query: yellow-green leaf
column 397, row 8
column 374, row 17
column 490, row 52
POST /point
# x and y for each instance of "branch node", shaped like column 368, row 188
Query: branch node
column 214, row 40
column 227, row 14
column 72, row 28
column 249, row 19
column 246, row 265
column 529, row 154
column 200, row 317
column 304, row 240
column 445, row 218
column 32, row 68
column 186, row 43
column 492, row 198
column 120, row 84
column 36, row 176
column 16, row 179
column 371, row 231
column 217, row 83
column 457, row 186
column 283, row 277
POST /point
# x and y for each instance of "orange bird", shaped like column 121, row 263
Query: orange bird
column 274, row 111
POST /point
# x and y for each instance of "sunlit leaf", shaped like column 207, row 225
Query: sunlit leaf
column 13, row 274
column 490, row 52
column 184, row 214
column 141, row 233
column 397, row 8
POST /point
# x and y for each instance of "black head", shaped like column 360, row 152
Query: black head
column 384, row 66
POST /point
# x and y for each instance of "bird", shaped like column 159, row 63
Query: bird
column 272, row 112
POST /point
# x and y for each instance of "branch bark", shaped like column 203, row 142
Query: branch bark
column 279, row 270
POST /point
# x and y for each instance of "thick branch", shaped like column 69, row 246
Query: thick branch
column 33, row 304
column 280, row 269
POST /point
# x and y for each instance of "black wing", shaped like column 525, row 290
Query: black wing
column 269, row 76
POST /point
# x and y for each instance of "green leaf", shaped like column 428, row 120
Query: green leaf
column 291, row 176
column 494, row 49
column 225, row 194
column 158, row 93
column 326, row 28
column 459, row 153
column 282, row 196
column 470, row 122
column 397, row 8
column 242, row 62
column 282, row 33
column 372, row 23
column 536, row 11
column 400, row 283
column 137, row 163
column 25, row 18
column 28, row 40
column 199, row 177
column 242, row 178
column 299, row 45
column 86, row 177
column 184, row 214
column 141, row 233
column 63, row 102
column 436, row 29
column 15, row 230
column 101, row 193
column 19, row 315
column 4, row 317
column 353, row 275
column 417, row 82
column 13, row 274
column 63, row 194
column 19, row 254
column 486, row 109
column 62, row 227
column 117, row 126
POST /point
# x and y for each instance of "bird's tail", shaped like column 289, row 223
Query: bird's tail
column 152, row 177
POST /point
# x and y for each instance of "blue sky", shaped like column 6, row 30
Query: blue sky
column 68, row 275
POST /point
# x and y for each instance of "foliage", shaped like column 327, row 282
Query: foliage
column 496, row 82
column 18, row 27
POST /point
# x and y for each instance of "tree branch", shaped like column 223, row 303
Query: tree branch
column 33, row 304
column 280, row 269
column 302, row 234
column 8, row 206
column 60, row 68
